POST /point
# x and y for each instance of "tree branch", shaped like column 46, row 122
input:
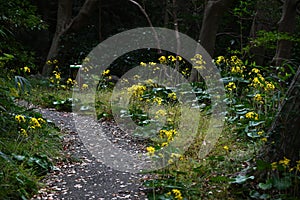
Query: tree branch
column 150, row 23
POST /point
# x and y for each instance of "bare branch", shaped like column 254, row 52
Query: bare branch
column 150, row 23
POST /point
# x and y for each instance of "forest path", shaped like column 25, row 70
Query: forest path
column 81, row 176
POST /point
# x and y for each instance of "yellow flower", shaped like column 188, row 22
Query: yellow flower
column 231, row 86
column 260, row 132
column 270, row 86
column 55, row 61
column 105, row 72
column 164, row 144
column 26, row 69
column 24, row 132
column 136, row 77
column 177, row 194
column 35, row 123
column 20, row 118
column 136, row 90
column 69, row 81
column 161, row 112
column 236, row 70
column 264, row 139
column 149, row 81
column 179, row 58
column 175, row 155
column 150, row 150
column 220, row 60
column 84, row 86
column 152, row 63
column 226, row 148
column 157, row 100
column 162, row 59
column 172, row 58
column 57, row 75
column 285, row 162
column 41, row 120
column 48, row 62
column 252, row 115
column 170, row 161
column 85, row 69
column 258, row 97
column 143, row 64
column 274, row 165
column 255, row 70
column 172, row 96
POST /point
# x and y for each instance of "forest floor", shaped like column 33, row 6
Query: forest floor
column 80, row 175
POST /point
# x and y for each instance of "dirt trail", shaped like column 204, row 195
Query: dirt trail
column 84, row 177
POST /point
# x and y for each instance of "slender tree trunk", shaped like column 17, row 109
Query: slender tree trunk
column 166, row 13
column 261, row 21
column 287, row 24
column 286, row 127
column 100, row 21
column 214, row 10
column 64, row 14
column 66, row 24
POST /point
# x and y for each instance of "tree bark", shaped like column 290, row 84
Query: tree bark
column 66, row 24
column 213, row 13
column 214, row 10
column 262, row 21
column 287, row 24
column 286, row 127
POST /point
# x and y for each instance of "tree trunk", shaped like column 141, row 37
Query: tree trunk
column 100, row 21
column 286, row 127
column 287, row 24
column 65, row 25
column 261, row 21
column 214, row 10
column 213, row 13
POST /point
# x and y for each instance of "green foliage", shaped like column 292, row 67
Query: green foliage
column 269, row 39
column 28, row 144
column 16, row 18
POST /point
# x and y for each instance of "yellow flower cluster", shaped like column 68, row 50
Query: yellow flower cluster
column 172, row 96
column 251, row 115
column 226, row 148
column 260, row 82
column 84, row 86
column 26, row 69
column 198, row 62
column 285, row 162
column 49, row 62
column 167, row 134
column 20, row 118
column 230, row 86
column 71, row 82
column 55, row 79
column 258, row 97
column 150, row 150
column 161, row 112
column 220, row 60
column 158, row 100
column 105, row 72
column 162, row 59
column 235, row 61
column 177, row 194
column 143, row 64
column 136, row 90
column 23, row 132
column 36, row 123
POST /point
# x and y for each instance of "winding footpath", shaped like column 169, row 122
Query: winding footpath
column 81, row 176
